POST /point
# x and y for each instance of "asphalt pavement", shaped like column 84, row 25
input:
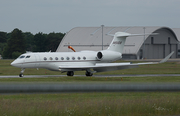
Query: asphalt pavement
column 103, row 76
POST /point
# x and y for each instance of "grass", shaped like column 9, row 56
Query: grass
column 92, row 104
column 88, row 104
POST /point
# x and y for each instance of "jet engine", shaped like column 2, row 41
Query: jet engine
column 99, row 55
column 105, row 56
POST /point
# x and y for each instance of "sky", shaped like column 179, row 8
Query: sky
column 62, row 15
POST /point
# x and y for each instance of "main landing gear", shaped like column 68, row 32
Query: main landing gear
column 70, row 73
column 89, row 73
column 21, row 73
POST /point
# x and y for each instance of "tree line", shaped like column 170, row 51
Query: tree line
column 17, row 42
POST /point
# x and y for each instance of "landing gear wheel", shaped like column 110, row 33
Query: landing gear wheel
column 70, row 73
column 21, row 75
column 89, row 73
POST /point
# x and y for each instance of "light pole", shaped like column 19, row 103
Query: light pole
column 102, row 35
column 144, row 44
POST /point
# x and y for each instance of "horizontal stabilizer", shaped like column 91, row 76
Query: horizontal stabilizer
column 123, row 34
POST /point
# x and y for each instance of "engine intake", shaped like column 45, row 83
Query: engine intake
column 99, row 55
column 108, row 56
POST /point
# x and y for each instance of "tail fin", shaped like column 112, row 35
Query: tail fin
column 119, row 40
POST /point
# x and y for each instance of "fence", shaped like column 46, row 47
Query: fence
column 86, row 87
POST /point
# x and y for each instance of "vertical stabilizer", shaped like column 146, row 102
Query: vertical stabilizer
column 118, row 42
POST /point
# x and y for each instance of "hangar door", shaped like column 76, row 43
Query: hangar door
column 159, row 51
column 154, row 51
column 160, row 45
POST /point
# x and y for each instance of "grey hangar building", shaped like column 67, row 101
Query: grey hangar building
column 137, row 47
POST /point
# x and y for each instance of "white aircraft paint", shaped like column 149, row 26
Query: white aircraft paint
column 90, row 61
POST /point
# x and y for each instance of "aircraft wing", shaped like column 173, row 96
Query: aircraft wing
column 101, row 67
column 98, row 67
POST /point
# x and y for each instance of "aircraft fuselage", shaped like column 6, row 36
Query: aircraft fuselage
column 53, row 60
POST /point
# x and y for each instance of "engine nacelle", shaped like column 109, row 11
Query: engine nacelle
column 107, row 55
column 99, row 55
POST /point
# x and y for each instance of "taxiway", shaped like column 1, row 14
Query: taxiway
column 45, row 76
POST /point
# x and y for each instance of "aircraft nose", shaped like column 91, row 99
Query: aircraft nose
column 16, row 64
column 12, row 63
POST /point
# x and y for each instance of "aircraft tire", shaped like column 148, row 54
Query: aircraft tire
column 21, row 75
column 70, row 73
column 89, row 74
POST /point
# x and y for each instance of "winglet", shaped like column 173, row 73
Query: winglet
column 167, row 57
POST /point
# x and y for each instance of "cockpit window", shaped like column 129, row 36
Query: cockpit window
column 21, row 56
column 28, row 56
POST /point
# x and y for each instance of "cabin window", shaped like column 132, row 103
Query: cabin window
column 50, row 58
column 84, row 58
column 45, row 58
column 79, row 58
column 67, row 58
column 62, row 58
column 56, row 58
column 28, row 56
column 21, row 56
column 73, row 58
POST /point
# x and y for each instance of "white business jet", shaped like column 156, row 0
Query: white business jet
column 89, row 61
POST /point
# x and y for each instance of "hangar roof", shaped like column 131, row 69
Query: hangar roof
column 90, row 38
column 177, row 32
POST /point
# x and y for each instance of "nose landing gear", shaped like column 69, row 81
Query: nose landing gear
column 21, row 73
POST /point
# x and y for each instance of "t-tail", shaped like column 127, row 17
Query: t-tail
column 119, row 40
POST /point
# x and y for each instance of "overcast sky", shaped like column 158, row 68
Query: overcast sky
column 62, row 15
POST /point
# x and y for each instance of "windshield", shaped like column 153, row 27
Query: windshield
column 28, row 56
column 21, row 57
